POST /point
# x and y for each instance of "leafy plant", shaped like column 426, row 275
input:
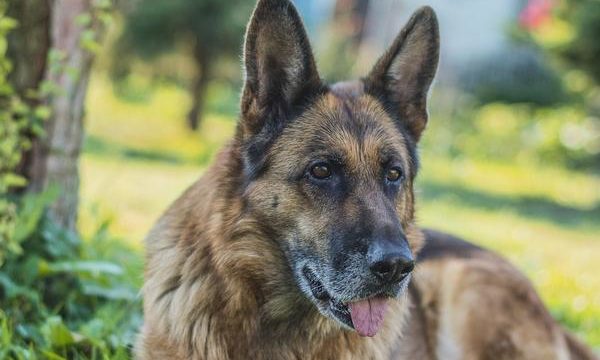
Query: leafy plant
column 63, row 297
column 12, row 142
column 20, row 121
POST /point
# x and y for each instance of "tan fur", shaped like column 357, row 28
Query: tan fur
column 481, row 307
column 219, row 281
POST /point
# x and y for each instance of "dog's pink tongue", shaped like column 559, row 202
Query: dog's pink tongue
column 367, row 315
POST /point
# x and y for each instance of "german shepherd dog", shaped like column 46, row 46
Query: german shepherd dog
column 300, row 241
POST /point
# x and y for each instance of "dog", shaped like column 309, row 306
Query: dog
column 300, row 241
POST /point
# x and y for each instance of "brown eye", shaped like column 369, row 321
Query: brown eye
column 320, row 171
column 393, row 174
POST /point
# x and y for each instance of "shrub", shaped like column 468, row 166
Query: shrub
column 562, row 135
column 517, row 75
column 64, row 297
column 583, row 50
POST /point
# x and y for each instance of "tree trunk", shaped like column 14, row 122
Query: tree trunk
column 351, row 15
column 53, row 160
column 199, row 89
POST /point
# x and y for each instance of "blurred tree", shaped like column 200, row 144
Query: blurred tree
column 52, row 52
column 583, row 51
column 352, row 15
column 570, row 30
column 213, row 27
column 343, row 37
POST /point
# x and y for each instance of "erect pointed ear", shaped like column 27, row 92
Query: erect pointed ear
column 403, row 75
column 280, row 69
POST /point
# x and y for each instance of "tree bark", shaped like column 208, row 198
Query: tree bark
column 53, row 160
column 199, row 88
column 58, row 160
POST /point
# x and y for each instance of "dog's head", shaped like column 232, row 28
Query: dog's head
column 330, row 169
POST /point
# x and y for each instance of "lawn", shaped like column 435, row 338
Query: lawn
column 138, row 157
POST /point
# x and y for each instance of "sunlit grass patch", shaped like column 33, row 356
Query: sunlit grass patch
column 140, row 155
column 131, row 194
column 557, row 184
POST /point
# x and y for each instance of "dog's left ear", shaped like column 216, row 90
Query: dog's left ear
column 403, row 75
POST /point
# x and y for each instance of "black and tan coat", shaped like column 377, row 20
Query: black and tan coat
column 307, row 216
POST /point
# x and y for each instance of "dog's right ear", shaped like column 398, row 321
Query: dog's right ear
column 280, row 71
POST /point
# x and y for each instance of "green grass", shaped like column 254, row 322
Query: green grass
column 139, row 157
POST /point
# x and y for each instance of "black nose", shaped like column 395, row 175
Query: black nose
column 390, row 260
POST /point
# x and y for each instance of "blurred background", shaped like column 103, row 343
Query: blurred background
column 110, row 109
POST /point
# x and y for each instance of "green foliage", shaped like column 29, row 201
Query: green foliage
column 514, row 132
column 60, row 297
column 15, row 121
column 530, row 111
column 583, row 51
column 22, row 116
column 94, row 22
column 64, row 297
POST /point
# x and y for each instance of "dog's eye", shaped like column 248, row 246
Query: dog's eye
column 393, row 174
column 320, row 171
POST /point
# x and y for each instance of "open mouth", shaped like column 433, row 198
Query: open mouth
column 336, row 307
column 366, row 316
